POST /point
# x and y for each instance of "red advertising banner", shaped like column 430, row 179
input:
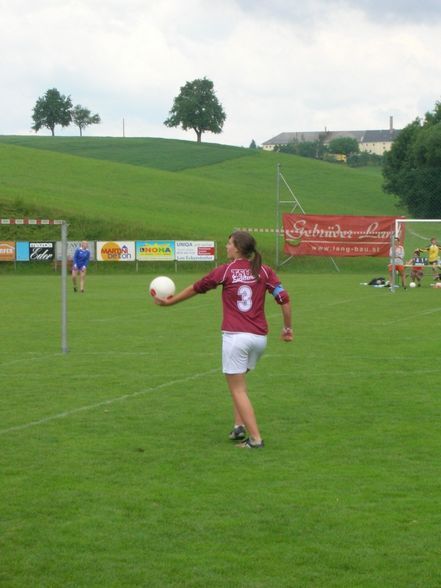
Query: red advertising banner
column 338, row 235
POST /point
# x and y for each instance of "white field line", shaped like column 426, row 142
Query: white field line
column 98, row 353
column 410, row 316
column 26, row 359
column 343, row 372
column 68, row 413
column 134, row 316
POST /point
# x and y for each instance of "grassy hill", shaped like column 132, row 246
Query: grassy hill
column 163, row 154
column 156, row 188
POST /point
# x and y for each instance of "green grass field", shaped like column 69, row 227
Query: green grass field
column 116, row 466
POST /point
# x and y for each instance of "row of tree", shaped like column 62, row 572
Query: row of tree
column 196, row 107
column 412, row 168
column 317, row 149
column 340, row 149
column 53, row 109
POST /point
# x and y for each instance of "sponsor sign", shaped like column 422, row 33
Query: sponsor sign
column 338, row 235
column 115, row 250
column 71, row 248
column 39, row 251
column 7, row 251
column 155, row 250
column 22, row 251
column 195, row 250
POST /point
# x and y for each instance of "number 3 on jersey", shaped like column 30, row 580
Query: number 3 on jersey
column 246, row 298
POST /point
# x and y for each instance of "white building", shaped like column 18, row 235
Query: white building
column 376, row 142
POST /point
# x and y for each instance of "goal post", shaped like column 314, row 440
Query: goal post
column 414, row 234
column 64, row 230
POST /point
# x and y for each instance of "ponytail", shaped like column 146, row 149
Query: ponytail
column 256, row 264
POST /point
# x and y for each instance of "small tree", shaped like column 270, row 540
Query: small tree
column 52, row 109
column 196, row 107
column 82, row 118
column 344, row 145
column 253, row 144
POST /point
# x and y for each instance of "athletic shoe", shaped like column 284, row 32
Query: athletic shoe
column 248, row 444
column 75, row 289
column 238, row 433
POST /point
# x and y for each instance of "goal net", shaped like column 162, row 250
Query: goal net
column 64, row 229
column 417, row 236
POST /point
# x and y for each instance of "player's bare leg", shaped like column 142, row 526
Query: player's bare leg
column 243, row 409
column 403, row 279
column 82, row 279
column 238, row 420
column 74, row 279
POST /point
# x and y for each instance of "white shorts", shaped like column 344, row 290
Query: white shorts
column 241, row 351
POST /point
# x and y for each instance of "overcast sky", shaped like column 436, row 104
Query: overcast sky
column 276, row 65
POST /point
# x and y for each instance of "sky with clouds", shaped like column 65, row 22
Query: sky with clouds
column 276, row 65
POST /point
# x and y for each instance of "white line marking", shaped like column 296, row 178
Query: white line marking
column 67, row 413
column 40, row 356
column 409, row 316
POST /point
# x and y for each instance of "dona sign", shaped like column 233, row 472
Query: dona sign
column 338, row 235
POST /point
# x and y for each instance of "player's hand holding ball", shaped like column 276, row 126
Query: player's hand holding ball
column 162, row 288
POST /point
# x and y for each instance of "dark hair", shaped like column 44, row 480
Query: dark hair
column 246, row 245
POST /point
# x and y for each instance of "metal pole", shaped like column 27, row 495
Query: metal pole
column 64, row 347
column 392, row 260
column 277, row 213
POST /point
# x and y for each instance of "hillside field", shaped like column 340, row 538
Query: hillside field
column 147, row 188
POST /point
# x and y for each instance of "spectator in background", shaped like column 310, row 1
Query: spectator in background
column 81, row 260
column 397, row 260
column 416, row 267
column 433, row 253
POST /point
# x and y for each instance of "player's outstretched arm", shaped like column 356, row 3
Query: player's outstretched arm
column 287, row 332
column 185, row 294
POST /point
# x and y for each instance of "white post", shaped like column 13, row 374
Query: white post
column 64, row 347
column 392, row 261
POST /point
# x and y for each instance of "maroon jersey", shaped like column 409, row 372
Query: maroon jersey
column 243, row 297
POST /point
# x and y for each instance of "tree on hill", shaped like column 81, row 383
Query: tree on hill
column 82, row 118
column 253, row 145
column 412, row 168
column 344, row 146
column 52, row 109
column 196, row 107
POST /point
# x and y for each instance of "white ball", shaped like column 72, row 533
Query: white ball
column 412, row 285
column 162, row 286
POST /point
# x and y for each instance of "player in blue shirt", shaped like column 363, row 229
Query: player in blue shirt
column 80, row 262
